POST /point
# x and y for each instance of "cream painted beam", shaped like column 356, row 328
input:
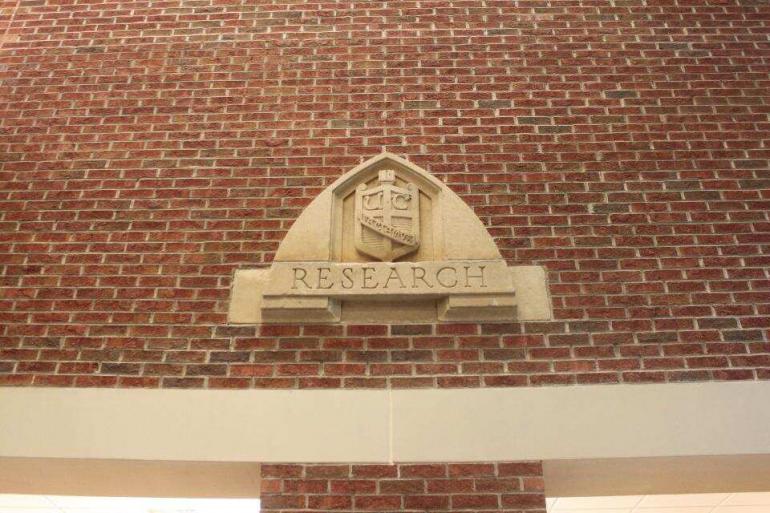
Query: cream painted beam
column 601, row 421
column 194, row 425
column 549, row 423
column 563, row 478
column 121, row 478
column 650, row 476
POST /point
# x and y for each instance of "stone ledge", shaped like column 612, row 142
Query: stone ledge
column 256, row 299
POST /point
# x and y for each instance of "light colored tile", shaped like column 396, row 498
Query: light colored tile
column 590, row 503
column 600, row 510
column 18, row 509
column 111, row 504
column 154, row 505
column 687, row 499
column 743, row 509
column 206, row 505
column 671, row 503
column 676, row 509
column 750, row 499
column 112, row 509
column 23, row 501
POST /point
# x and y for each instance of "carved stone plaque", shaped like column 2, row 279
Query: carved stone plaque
column 387, row 242
column 397, row 280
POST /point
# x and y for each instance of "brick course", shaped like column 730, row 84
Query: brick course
column 510, row 487
column 149, row 149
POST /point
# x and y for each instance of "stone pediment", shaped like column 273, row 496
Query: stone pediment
column 388, row 242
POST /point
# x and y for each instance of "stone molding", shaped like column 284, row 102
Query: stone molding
column 388, row 242
column 425, row 425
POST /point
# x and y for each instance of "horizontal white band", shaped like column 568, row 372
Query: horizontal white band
column 602, row 421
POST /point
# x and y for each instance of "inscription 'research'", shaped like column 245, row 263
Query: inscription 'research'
column 394, row 277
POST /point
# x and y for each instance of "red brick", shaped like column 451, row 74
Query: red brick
column 426, row 471
column 471, row 469
column 376, row 502
column 122, row 228
column 475, row 501
column 524, row 500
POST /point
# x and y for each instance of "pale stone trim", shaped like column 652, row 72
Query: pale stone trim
column 563, row 478
column 531, row 302
column 129, row 478
column 643, row 476
column 598, row 421
column 578, row 422
column 446, row 237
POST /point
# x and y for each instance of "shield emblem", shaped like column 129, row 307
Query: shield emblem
column 387, row 218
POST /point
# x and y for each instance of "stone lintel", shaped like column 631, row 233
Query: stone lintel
column 388, row 281
column 254, row 302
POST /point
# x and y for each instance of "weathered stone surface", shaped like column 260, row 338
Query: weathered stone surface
column 326, row 228
column 533, row 301
column 246, row 296
column 388, row 242
column 530, row 303
column 389, row 280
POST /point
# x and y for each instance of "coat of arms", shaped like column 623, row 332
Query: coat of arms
column 387, row 218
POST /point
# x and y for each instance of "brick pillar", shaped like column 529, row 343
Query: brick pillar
column 510, row 487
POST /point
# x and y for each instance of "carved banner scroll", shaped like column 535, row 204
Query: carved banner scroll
column 387, row 219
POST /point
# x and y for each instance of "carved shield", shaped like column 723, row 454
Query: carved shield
column 387, row 218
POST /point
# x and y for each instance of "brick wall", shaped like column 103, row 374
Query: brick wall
column 149, row 149
column 507, row 487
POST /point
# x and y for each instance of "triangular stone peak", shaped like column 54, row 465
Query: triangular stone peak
column 330, row 227
column 387, row 242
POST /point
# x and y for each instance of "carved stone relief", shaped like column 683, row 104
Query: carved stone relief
column 387, row 242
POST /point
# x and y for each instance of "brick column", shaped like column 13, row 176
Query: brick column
column 510, row 487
